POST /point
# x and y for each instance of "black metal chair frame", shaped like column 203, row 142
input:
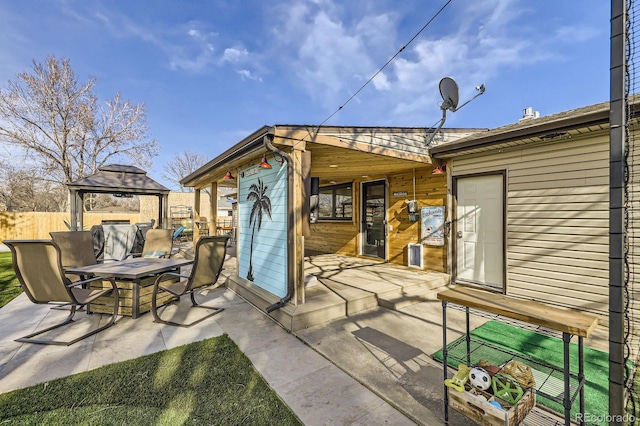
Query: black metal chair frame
column 78, row 295
column 187, row 287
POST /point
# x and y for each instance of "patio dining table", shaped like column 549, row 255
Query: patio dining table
column 134, row 278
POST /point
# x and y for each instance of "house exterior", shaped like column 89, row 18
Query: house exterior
column 522, row 209
column 356, row 191
column 529, row 205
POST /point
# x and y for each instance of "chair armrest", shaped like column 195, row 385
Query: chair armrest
column 77, row 283
column 172, row 274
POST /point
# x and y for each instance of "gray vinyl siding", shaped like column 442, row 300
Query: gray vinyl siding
column 557, row 219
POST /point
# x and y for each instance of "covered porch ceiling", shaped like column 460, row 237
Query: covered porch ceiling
column 334, row 164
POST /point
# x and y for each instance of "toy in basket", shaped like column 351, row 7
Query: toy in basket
column 507, row 388
column 491, row 396
column 479, row 378
column 489, row 367
column 521, row 372
column 458, row 381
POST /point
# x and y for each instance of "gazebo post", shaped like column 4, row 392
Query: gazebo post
column 73, row 221
column 164, row 211
column 79, row 223
column 76, row 214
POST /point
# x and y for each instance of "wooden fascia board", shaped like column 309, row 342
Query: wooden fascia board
column 298, row 138
column 247, row 145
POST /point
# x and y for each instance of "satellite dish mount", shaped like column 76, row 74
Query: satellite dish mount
column 450, row 97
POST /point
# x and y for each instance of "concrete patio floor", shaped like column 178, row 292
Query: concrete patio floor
column 306, row 381
column 371, row 367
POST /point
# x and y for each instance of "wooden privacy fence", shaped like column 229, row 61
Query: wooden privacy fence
column 37, row 225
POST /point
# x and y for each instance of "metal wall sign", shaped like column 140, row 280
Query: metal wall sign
column 432, row 225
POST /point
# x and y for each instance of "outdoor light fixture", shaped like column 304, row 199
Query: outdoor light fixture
column 264, row 164
column 228, row 176
column 439, row 169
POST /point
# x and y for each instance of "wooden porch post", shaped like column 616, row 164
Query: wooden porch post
column 213, row 207
column 298, row 205
column 196, row 215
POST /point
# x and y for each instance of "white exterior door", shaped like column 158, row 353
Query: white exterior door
column 479, row 231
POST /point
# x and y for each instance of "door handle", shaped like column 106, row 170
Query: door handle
column 459, row 234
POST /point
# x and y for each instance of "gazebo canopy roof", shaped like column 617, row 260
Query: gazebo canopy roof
column 119, row 179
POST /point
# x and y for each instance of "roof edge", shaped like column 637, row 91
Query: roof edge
column 568, row 120
column 235, row 151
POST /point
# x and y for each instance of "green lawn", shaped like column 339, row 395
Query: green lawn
column 210, row 382
column 205, row 383
column 8, row 282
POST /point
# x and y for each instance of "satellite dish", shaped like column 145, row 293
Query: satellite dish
column 449, row 93
column 450, row 98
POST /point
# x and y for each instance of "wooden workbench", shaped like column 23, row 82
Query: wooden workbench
column 569, row 323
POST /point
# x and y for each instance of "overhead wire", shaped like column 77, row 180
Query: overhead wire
column 317, row 128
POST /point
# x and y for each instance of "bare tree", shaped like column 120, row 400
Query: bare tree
column 60, row 125
column 182, row 165
column 24, row 190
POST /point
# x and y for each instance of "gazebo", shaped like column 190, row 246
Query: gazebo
column 117, row 179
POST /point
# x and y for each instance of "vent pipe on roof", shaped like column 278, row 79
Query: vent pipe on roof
column 529, row 113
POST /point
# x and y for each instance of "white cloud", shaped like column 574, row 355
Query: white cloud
column 333, row 50
column 329, row 56
column 188, row 47
column 381, row 82
column 246, row 74
column 572, row 34
column 234, row 55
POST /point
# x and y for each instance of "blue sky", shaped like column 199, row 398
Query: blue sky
column 212, row 71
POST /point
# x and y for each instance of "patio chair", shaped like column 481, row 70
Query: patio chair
column 76, row 249
column 178, row 235
column 38, row 267
column 210, row 253
column 158, row 243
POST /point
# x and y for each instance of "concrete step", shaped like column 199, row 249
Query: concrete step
column 414, row 291
column 327, row 306
column 398, row 300
column 357, row 300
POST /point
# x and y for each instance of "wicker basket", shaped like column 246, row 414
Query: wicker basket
column 521, row 372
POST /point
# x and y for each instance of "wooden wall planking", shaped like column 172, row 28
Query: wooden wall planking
column 342, row 237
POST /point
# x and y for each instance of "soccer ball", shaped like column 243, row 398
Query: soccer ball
column 479, row 378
